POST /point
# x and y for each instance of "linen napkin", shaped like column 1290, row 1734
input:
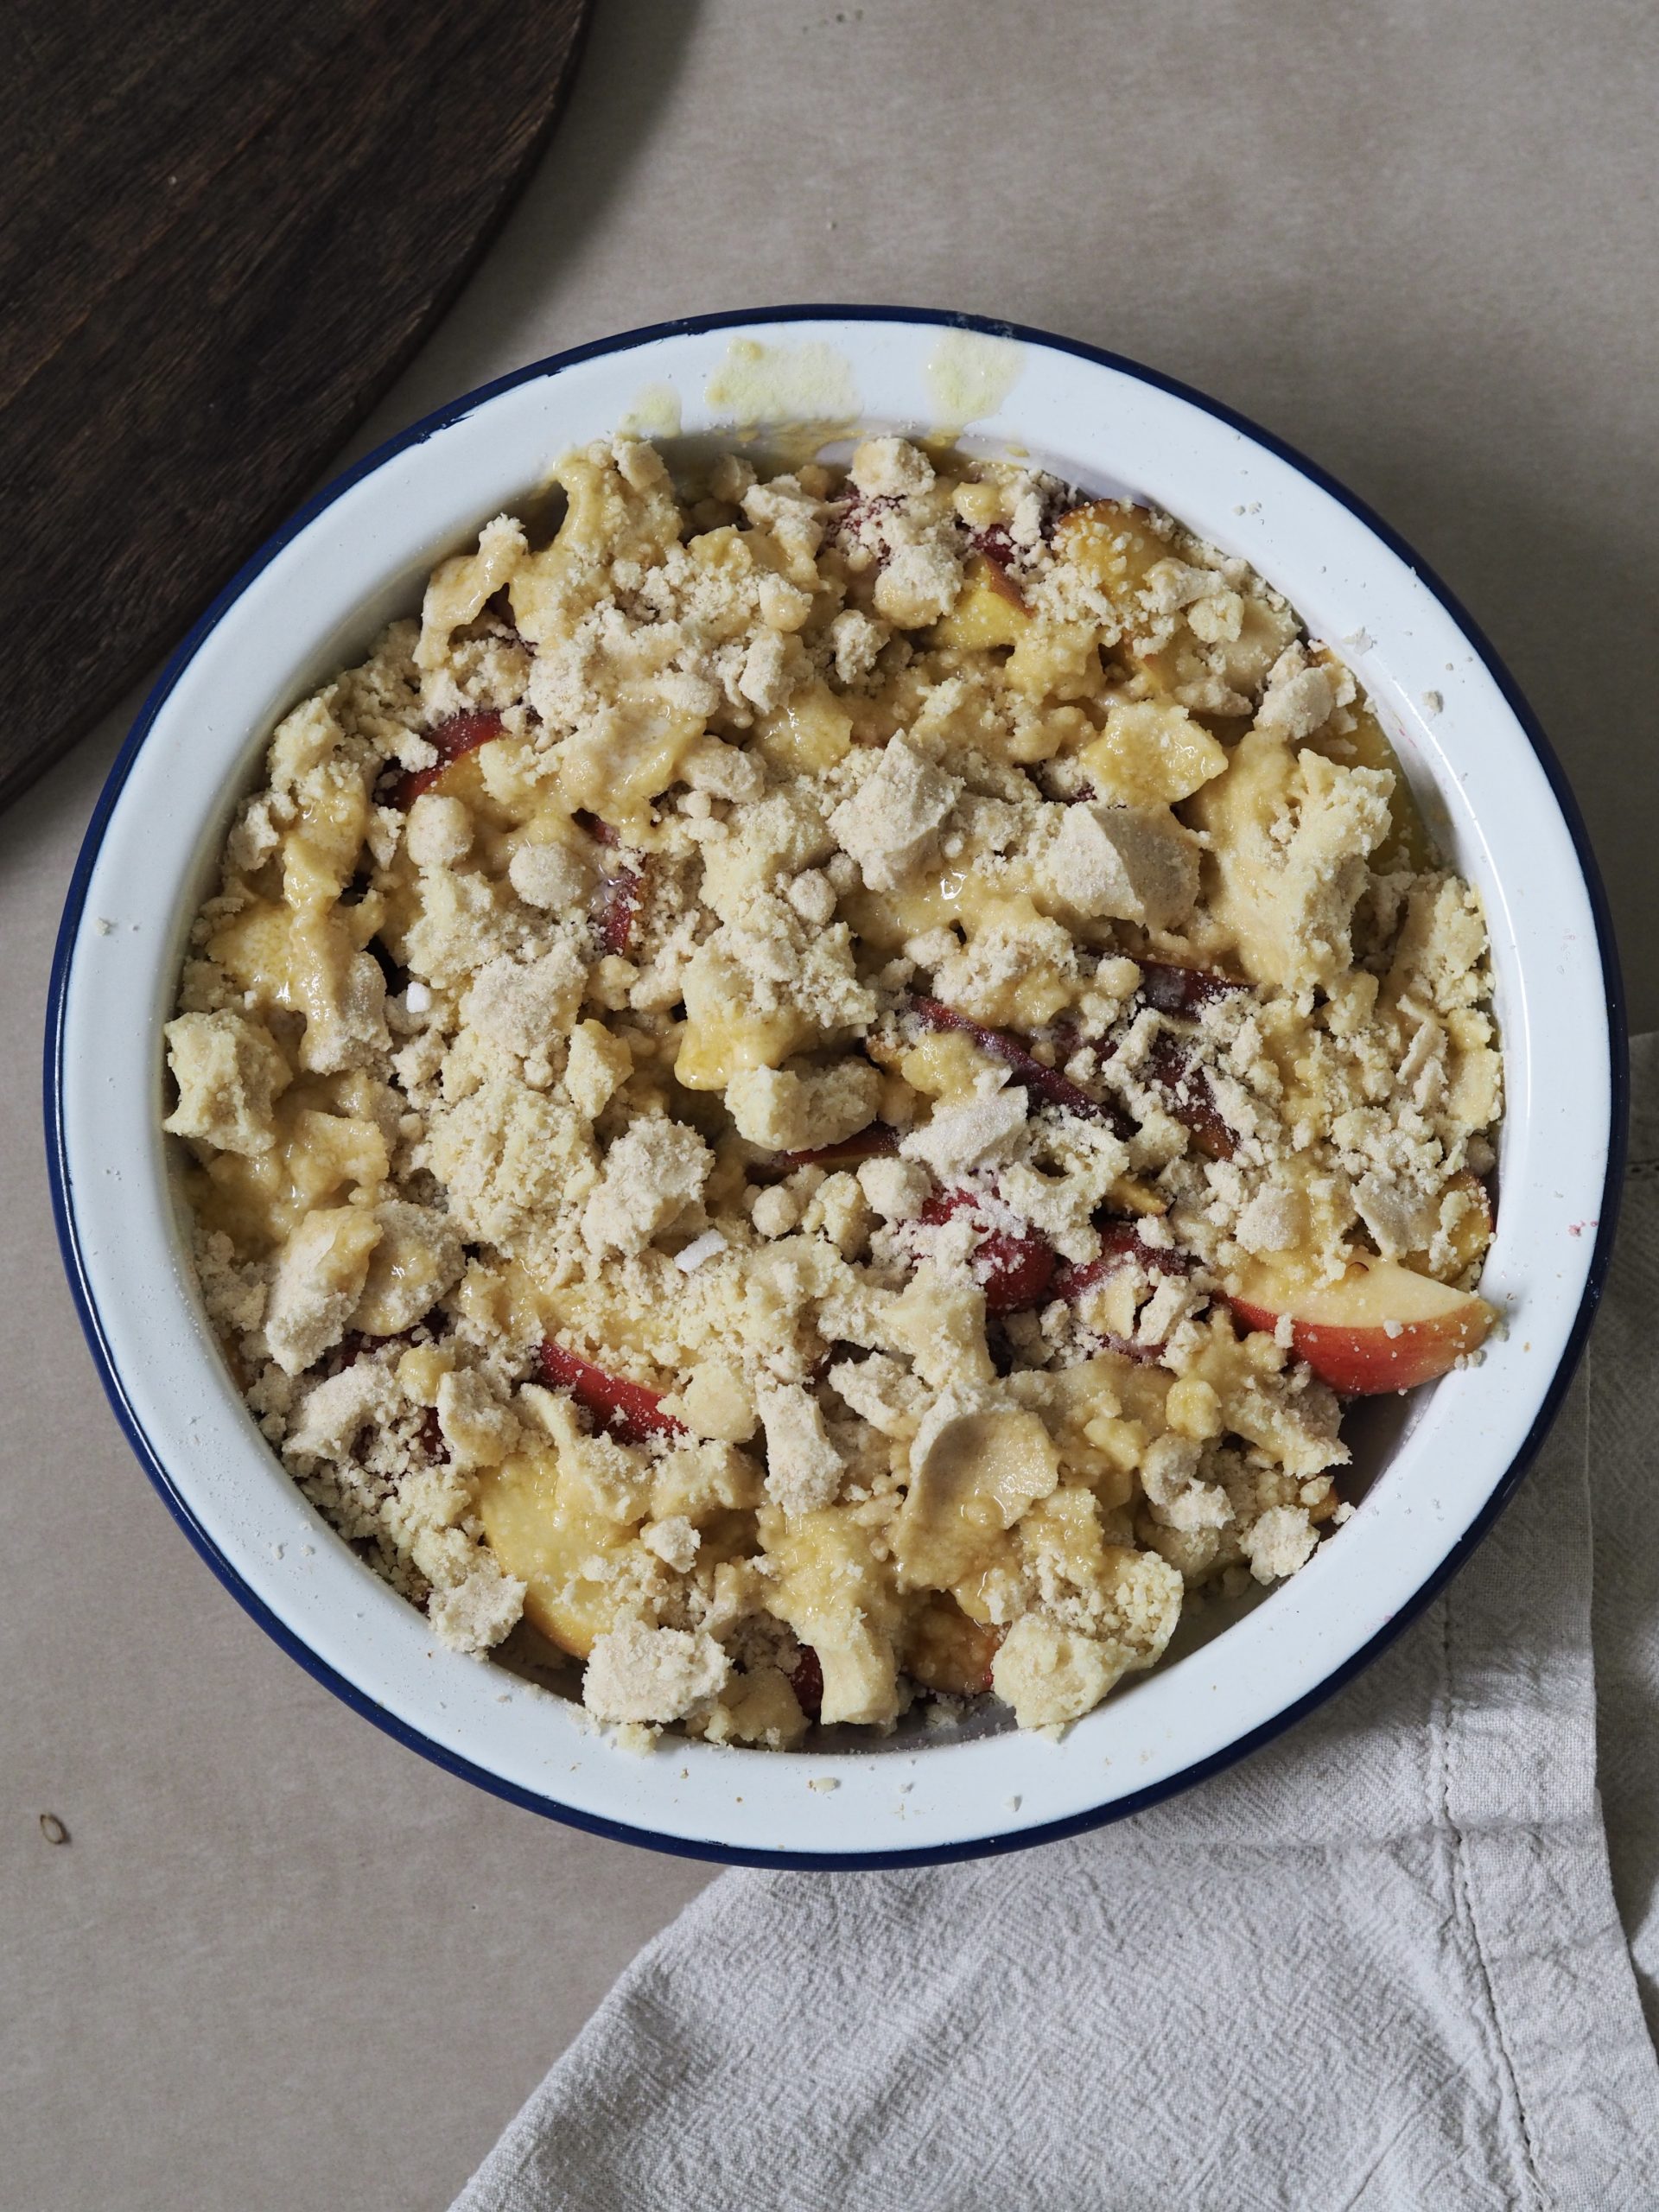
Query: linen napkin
column 1379, row 1964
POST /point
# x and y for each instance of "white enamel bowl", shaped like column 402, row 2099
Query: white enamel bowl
column 308, row 605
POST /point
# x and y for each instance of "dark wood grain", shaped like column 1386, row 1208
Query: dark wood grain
column 224, row 227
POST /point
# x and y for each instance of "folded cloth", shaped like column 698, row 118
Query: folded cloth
column 1379, row 1964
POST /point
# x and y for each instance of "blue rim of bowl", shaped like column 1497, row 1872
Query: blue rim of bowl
column 978, row 1847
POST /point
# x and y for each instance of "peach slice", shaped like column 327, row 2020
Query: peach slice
column 627, row 1410
column 876, row 1142
column 806, row 1679
column 1185, row 992
column 460, row 734
column 1382, row 1327
column 544, row 1529
column 1188, row 1096
column 989, row 611
column 618, row 904
column 945, row 1651
column 1013, row 1268
column 1119, row 1243
column 1048, row 1083
column 1182, row 990
column 1471, row 1233
column 619, row 897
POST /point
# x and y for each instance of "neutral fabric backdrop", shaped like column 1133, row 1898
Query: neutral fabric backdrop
column 283, row 1962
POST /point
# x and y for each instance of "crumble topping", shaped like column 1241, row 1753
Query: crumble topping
column 815, row 1090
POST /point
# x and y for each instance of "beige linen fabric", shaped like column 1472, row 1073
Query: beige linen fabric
column 1380, row 1964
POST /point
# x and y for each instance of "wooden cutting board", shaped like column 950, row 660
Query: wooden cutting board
column 224, row 226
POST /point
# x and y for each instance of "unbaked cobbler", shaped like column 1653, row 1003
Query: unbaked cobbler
column 817, row 1090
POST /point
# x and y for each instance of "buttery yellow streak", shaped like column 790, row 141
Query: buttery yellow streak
column 968, row 377
column 798, row 398
column 655, row 412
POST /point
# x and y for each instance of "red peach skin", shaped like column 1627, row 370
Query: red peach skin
column 877, row 1142
column 620, row 897
column 1186, row 1092
column 616, row 908
column 1187, row 991
column 1048, row 1083
column 997, row 547
column 1119, row 1243
column 1014, row 1270
column 807, row 1681
column 462, row 733
column 627, row 1410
